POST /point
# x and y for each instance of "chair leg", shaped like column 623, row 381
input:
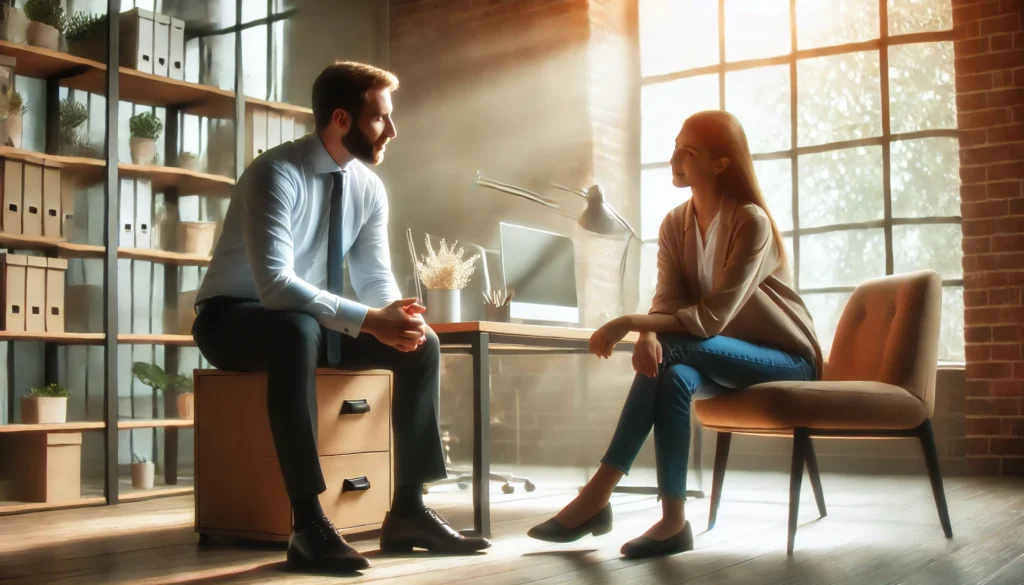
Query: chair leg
column 931, row 459
column 812, row 471
column 801, row 439
column 721, row 458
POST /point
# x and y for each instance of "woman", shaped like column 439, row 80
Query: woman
column 724, row 316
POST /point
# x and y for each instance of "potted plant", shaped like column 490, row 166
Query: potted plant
column 154, row 376
column 13, row 23
column 445, row 274
column 13, row 109
column 47, row 18
column 145, row 129
column 46, row 405
column 72, row 115
column 143, row 472
column 84, row 34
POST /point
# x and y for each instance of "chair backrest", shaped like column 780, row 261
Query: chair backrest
column 889, row 332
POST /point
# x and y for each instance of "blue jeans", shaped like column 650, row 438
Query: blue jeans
column 691, row 368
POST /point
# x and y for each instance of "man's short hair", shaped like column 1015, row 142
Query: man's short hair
column 344, row 85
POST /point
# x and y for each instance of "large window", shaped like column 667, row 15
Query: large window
column 849, row 108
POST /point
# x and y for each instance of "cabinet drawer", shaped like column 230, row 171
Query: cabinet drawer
column 365, row 498
column 354, row 414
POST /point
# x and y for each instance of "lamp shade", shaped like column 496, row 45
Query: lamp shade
column 598, row 217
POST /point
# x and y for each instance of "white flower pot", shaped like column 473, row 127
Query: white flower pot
column 143, row 474
column 43, row 35
column 44, row 410
column 197, row 237
column 143, row 150
column 188, row 161
column 444, row 306
column 14, row 27
column 14, row 126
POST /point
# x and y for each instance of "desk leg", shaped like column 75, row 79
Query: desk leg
column 481, row 434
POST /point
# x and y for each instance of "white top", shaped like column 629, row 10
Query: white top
column 706, row 255
column 273, row 247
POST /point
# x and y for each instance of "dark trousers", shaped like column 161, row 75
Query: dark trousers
column 241, row 335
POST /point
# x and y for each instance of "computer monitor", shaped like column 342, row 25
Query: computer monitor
column 541, row 267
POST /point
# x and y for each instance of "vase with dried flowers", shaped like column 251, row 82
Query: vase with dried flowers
column 445, row 274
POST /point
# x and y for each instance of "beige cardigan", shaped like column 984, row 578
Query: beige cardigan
column 751, row 297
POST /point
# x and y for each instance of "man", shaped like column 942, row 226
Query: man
column 271, row 301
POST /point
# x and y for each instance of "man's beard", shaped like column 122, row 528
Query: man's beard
column 360, row 147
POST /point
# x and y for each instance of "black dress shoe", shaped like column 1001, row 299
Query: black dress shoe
column 645, row 546
column 319, row 547
column 554, row 531
column 425, row 529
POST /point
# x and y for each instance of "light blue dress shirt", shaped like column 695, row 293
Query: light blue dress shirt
column 273, row 247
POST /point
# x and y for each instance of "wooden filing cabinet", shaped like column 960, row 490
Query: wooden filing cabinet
column 239, row 489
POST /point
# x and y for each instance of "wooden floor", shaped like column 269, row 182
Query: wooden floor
column 879, row 530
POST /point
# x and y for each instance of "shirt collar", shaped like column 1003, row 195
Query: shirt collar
column 320, row 161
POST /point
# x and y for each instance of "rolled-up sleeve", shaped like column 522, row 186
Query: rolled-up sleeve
column 369, row 260
column 269, row 201
column 749, row 262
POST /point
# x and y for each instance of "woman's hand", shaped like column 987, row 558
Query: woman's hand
column 604, row 339
column 647, row 355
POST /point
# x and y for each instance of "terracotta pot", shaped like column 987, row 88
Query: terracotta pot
column 143, row 150
column 14, row 126
column 43, row 35
column 186, row 405
column 196, row 237
column 143, row 474
column 44, row 410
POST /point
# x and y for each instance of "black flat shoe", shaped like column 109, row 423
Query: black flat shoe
column 644, row 547
column 319, row 547
column 426, row 529
column 554, row 531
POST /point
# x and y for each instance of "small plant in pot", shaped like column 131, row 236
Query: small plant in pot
column 13, row 110
column 143, row 472
column 85, row 36
column 47, row 18
column 156, row 378
column 72, row 116
column 145, row 129
column 445, row 274
column 46, row 405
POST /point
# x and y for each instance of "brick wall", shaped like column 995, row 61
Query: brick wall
column 989, row 51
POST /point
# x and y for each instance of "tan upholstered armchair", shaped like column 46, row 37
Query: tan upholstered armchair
column 879, row 383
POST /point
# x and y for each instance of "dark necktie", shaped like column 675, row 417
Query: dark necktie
column 335, row 263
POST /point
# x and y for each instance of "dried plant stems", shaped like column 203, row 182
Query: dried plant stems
column 445, row 268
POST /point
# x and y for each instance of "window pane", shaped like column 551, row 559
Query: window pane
column 841, row 186
column 951, row 332
column 755, row 29
column 822, row 23
column 936, row 247
column 925, row 177
column 843, row 258
column 676, row 35
column 658, row 196
column 648, row 276
column 776, row 180
column 921, row 92
column 839, row 98
column 910, row 16
column 787, row 241
column 826, row 309
column 759, row 98
column 664, row 107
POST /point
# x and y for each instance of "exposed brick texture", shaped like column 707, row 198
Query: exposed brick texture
column 989, row 62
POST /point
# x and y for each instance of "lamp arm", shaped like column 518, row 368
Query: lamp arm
column 578, row 192
column 513, row 190
column 622, row 220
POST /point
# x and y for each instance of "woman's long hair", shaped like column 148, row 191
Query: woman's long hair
column 723, row 136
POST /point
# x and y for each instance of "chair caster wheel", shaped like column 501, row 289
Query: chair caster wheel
column 462, row 486
column 508, row 488
column 530, row 486
column 425, row 490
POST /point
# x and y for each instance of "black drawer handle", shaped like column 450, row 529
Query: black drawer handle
column 355, row 484
column 360, row 406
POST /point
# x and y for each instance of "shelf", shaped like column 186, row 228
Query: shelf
column 18, row 507
column 73, row 163
column 57, row 338
column 154, row 339
column 188, row 182
column 179, row 423
column 297, row 111
column 69, row 250
column 54, row 428
column 40, row 62
column 163, row 257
